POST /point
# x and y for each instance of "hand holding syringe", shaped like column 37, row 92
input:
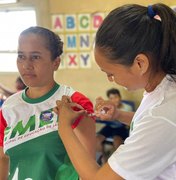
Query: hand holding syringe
column 104, row 110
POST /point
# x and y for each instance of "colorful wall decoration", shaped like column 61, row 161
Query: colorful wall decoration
column 77, row 32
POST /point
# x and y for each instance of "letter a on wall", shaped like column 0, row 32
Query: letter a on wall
column 58, row 23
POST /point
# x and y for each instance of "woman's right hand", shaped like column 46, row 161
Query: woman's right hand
column 105, row 110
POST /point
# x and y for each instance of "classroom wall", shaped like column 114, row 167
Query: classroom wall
column 91, row 82
column 97, row 5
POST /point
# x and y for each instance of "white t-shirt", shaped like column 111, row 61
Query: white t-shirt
column 150, row 151
column 126, row 107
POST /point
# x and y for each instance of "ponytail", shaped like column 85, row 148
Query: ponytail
column 168, row 46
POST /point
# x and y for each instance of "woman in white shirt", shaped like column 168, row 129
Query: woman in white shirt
column 136, row 47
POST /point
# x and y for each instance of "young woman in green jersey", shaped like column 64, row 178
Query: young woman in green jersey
column 30, row 146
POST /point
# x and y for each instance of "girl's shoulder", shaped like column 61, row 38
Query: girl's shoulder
column 13, row 99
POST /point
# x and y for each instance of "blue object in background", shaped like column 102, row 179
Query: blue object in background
column 1, row 102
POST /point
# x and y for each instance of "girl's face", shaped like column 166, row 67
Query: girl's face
column 115, row 98
column 34, row 61
column 126, row 76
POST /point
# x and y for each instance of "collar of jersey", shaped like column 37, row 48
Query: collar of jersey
column 42, row 98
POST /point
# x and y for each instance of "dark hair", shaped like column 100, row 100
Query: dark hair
column 129, row 30
column 53, row 41
column 22, row 85
column 113, row 91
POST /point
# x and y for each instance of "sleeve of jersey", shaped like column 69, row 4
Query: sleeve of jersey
column 84, row 102
column 148, row 151
column 2, row 128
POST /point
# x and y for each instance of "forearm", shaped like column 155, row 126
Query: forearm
column 124, row 117
column 85, row 132
column 4, row 167
column 83, row 161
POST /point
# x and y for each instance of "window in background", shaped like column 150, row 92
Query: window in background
column 7, row 1
column 12, row 23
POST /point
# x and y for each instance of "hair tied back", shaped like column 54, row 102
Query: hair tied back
column 151, row 12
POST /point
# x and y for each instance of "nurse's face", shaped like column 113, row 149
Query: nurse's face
column 126, row 76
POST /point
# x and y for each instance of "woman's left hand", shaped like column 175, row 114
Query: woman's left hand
column 65, row 111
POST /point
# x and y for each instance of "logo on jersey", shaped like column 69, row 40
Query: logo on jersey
column 46, row 116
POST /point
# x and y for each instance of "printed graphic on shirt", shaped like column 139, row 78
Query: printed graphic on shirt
column 36, row 126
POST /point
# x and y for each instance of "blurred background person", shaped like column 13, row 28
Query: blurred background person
column 115, row 131
column 6, row 92
column 19, row 85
